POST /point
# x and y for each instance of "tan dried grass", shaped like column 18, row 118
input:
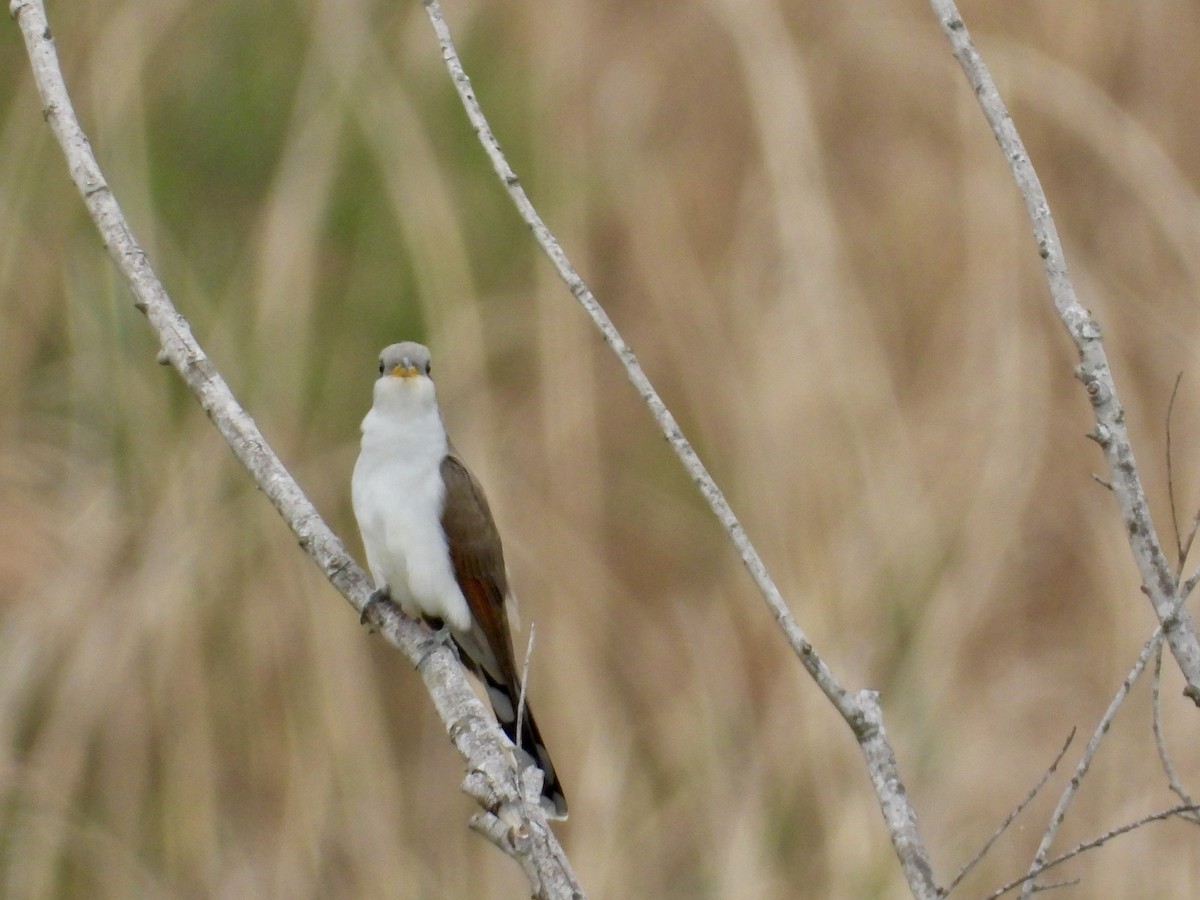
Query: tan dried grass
column 799, row 220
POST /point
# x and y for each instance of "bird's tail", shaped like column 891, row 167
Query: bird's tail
column 529, row 742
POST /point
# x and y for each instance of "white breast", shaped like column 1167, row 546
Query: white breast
column 397, row 494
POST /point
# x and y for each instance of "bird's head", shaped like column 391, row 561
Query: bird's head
column 404, row 376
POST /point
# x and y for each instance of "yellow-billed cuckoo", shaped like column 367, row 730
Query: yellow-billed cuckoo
column 432, row 545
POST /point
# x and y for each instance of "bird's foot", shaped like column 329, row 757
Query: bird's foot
column 441, row 631
column 380, row 594
column 439, row 636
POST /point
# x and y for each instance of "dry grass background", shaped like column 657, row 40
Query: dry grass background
column 798, row 217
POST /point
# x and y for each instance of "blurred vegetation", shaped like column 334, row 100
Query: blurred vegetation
column 798, row 217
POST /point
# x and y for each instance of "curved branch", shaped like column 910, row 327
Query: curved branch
column 1158, row 580
column 519, row 827
column 860, row 710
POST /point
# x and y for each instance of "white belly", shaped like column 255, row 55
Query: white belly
column 397, row 494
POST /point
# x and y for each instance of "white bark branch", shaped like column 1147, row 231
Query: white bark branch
column 518, row 827
column 1158, row 581
column 860, row 710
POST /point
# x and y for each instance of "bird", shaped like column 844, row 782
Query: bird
column 432, row 545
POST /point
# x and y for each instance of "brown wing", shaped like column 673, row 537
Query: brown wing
column 478, row 560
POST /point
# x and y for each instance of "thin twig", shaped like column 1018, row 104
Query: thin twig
column 666, row 420
column 1180, row 551
column 531, row 777
column 1012, row 815
column 1089, row 753
column 1185, row 589
column 491, row 775
column 1160, row 739
column 860, row 710
column 1092, row 845
column 1093, row 370
column 525, row 681
column 1184, row 545
column 1055, row 885
column 1187, row 544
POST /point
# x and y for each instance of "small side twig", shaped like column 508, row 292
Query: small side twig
column 1020, row 807
column 1085, row 762
column 1160, row 739
column 1100, row 841
column 1185, row 590
column 1181, row 546
column 525, row 680
column 1055, row 885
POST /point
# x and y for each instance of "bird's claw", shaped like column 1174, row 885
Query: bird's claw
column 440, row 631
column 380, row 594
column 439, row 636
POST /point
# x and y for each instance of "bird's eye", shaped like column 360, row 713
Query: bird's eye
column 428, row 368
column 381, row 367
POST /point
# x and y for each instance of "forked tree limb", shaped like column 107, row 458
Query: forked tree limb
column 515, row 825
column 1158, row 580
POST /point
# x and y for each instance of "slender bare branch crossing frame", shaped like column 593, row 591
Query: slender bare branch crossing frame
column 860, row 710
column 1158, row 580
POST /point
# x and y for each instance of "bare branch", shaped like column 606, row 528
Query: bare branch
column 1093, row 370
column 1055, row 885
column 531, row 849
column 861, row 710
column 1012, row 815
column 1188, row 586
column 1160, row 739
column 1085, row 762
column 1180, row 550
column 525, row 676
column 1091, row 845
column 491, row 777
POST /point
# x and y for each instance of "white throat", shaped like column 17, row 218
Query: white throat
column 405, row 422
